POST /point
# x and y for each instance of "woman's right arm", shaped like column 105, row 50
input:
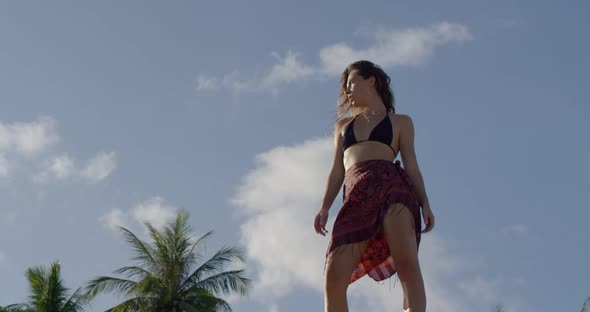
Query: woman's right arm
column 336, row 176
column 335, row 179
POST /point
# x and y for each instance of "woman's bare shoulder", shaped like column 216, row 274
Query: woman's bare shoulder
column 341, row 123
column 403, row 120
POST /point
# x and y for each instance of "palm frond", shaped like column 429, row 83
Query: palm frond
column 151, row 286
column 37, row 283
column 163, row 280
column 194, row 254
column 161, row 249
column 18, row 307
column 225, row 283
column 204, row 301
column 215, row 264
column 104, row 284
column 143, row 251
column 134, row 271
column 48, row 293
column 178, row 238
column 138, row 304
column 56, row 291
column 77, row 301
column 584, row 305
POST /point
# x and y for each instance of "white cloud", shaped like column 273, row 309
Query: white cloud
column 152, row 210
column 410, row 46
column 277, row 191
column 204, row 83
column 113, row 219
column 28, row 138
column 278, row 200
column 99, row 167
column 232, row 81
column 63, row 167
column 288, row 69
column 59, row 167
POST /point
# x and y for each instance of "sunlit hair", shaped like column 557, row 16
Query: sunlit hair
column 365, row 69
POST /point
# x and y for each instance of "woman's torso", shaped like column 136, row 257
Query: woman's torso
column 367, row 150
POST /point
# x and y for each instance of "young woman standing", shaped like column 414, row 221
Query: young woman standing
column 377, row 230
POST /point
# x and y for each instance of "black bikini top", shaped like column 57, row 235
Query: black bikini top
column 381, row 133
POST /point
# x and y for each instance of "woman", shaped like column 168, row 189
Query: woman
column 377, row 230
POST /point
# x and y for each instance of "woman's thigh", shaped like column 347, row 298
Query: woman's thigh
column 341, row 262
column 400, row 232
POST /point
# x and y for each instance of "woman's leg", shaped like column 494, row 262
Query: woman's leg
column 339, row 266
column 399, row 228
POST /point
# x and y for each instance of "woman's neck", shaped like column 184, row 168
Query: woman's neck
column 374, row 106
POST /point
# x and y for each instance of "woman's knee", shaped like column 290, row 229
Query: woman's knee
column 340, row 264
column 336, row 278
column 407, row 263
column 338, row 270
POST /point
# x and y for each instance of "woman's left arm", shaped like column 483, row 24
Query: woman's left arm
column 408, row 155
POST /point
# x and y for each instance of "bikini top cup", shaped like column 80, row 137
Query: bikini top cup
column 381, row 133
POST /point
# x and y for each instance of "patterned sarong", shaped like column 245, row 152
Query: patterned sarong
column 370, row 187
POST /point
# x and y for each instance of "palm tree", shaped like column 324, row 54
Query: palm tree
column 48, row 294
column 586, row 305
column 164, row 279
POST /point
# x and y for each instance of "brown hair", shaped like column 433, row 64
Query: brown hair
column 365, row 69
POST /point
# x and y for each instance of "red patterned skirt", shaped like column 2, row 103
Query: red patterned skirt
column 370, row 187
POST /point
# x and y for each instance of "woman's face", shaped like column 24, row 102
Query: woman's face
column 357, row 88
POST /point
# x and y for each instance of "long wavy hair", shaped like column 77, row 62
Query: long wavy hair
column 365, row 69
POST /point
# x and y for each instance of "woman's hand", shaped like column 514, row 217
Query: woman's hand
column 428, row 218
column 320, row 222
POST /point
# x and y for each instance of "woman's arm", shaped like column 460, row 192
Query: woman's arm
column 334, row 183
column 411, row 167
column 409, row 158
column 336, row 176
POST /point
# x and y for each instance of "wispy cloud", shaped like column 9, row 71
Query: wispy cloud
column 99, row 167
column 114, row 219
column 153, row 210
column 64, row 167
column 287, row 69
column 278, row 200
column 29, row 145
column 390, row 47
column 59, row 167
column 28, row 138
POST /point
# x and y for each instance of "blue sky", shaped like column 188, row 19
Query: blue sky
column 123, row 112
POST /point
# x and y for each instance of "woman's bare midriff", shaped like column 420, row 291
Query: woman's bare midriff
column 370, row 150
column 366, row 151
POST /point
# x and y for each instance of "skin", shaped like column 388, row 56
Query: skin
column 398, row 222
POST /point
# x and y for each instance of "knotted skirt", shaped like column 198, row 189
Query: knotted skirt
column 370, row 187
